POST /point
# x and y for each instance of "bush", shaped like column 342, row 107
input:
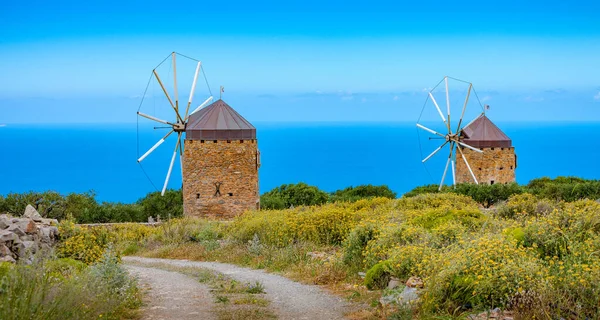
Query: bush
column 352, row 194
column 66, row 289
column 168, row 206
column 299, row 194
column 378, row 276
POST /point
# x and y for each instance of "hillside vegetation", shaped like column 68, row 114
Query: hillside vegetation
column 535, row 254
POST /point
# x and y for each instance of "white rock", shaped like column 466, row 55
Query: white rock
column 30, row 212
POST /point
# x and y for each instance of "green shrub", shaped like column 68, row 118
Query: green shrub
column 356, row 243
column 272, row 202
column 352, row 194
column 299, row 194
column 168, row 206
column 378, row 276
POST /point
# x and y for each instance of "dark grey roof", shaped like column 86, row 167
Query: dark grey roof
column 218, row 121
column 483, row 133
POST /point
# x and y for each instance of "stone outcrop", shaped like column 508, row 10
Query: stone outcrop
column 21, row 238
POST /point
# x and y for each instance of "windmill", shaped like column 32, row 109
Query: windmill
column 451, row 135
column 179, row 120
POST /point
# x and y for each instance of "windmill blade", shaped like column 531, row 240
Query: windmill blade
column 192, row 90
column 447, row 103
column 468, row 166
column 464, row 108
column 468, row 146
column 153, row 118
column 453, row 174
column 429, row 130
column 175, row 82
column 434, row 152
column 437, row 107
column 207, row 101
column 167, row 94
column 444, row 175
column 170, row 168
column 155, row 146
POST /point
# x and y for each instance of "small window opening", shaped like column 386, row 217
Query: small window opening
column 241, row 141
column 230, row 194
column 501, row 168
column 491, row 181
column 201, row 141
column 228, row 141
column 501, row 148
column 492, row 148
column 479, row 169
column 510, row 167
column 214, row 141
column 197, row 196
column 191, row 141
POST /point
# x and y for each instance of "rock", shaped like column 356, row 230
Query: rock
column 150, row 219
column 31, row 227
column 408, row 296
column 4, row 221
column 4, row 250
column 30, row 212
column 394, row 283
column 50, row 222
column 362, row 275
column 414, row 282
column 16, row 229
column 7, row 259
column 6, row 236
column 30, row 247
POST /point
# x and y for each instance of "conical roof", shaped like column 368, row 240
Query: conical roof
column 483, row 133
column 218, row 121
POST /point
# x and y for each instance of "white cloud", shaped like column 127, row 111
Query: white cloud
column 597, row 96
column 396, row 98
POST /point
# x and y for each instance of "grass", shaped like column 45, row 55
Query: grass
column 233, row 299
column 54, row 288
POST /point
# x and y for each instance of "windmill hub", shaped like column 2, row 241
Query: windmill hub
column 179, row 127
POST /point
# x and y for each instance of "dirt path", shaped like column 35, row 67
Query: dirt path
column 289, row 299
column 173, row 295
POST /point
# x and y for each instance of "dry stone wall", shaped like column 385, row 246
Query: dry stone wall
column 21, row 238
column 494, row 165
column 220, row 177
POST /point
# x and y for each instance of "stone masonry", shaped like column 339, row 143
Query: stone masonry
column 494, row 165
column 220, row 177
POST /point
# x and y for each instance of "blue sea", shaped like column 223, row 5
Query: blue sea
column 102, row 157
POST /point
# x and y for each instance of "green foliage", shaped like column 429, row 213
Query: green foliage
column 352, row 194
column 168, row 206
column 378, row 276
column 356, row 243
column 559, row 189
column 66, row 289
column 299, row 194
column 83, row 207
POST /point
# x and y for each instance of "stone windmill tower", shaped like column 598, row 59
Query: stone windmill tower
column 220, row 163
column 478, row 152
column 497, row 162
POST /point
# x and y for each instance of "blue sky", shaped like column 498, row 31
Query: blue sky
column 302, row 61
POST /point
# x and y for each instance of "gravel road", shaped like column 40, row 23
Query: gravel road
column 289, row 299
column 173, row 295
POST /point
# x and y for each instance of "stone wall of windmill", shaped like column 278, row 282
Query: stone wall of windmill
column 494, row 165
column 498, row 161
column 220, row 164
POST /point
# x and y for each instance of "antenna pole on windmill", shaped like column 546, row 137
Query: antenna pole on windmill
column 221, row 90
